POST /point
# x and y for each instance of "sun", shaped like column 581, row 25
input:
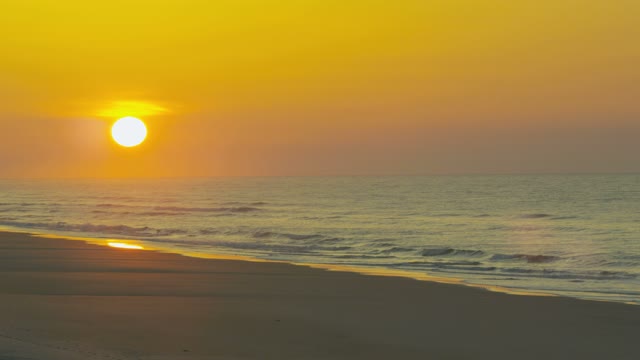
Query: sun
column 129, row 131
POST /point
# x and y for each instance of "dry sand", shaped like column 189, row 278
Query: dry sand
column 64, row 299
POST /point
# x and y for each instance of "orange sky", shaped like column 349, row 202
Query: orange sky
column 326, row 87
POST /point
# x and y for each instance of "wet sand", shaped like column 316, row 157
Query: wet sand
column 65, row 299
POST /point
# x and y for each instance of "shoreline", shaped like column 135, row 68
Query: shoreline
column 364, row 270
column 372, row 270
column 66, row 299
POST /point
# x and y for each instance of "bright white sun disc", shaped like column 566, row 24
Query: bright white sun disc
column 129, row 131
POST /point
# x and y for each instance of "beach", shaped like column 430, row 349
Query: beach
column 67, row 299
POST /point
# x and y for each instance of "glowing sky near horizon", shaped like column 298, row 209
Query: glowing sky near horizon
column 320, row 87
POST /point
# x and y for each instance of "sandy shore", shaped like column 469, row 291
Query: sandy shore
column 63, row 299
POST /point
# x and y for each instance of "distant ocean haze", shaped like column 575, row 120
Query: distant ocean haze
column 572, row 235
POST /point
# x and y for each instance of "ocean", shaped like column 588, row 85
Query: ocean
column 569, row 235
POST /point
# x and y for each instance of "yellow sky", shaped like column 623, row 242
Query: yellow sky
column 320, row 87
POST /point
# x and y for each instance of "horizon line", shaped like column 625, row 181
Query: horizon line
column 328, row 175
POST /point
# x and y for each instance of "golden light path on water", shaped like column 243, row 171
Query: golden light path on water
column 124, row 246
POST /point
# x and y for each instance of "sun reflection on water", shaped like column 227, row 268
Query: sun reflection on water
column 124, row 246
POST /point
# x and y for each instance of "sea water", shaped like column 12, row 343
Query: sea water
column 571, row 235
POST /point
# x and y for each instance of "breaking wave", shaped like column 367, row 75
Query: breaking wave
column 451, row 252
column 270, row 234
column 526, row 257
column 96, row 228
column 397, row 249
column 569, row 275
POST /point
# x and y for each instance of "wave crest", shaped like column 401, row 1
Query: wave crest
column 535, row 216
column 535, row 259
column 451, row 252
column 237, row 209
column 96, row 228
